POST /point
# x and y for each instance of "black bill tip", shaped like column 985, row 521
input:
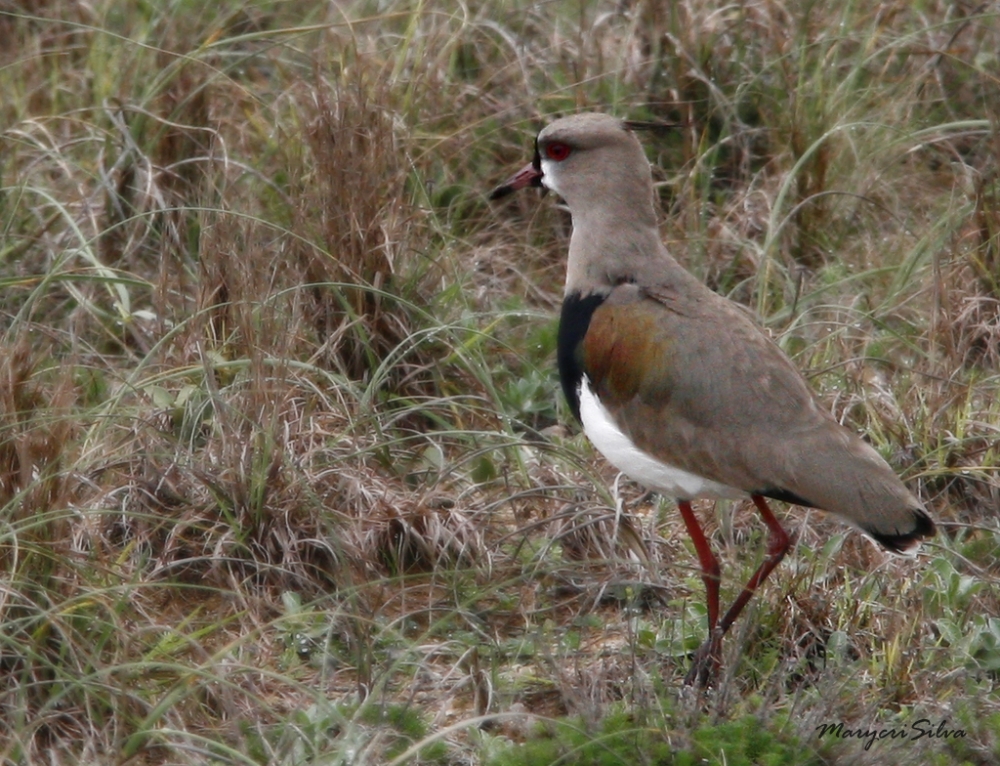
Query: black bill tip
column 529, row 175
column 501, row 191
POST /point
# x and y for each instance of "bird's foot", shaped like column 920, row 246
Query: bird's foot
column 707, row 663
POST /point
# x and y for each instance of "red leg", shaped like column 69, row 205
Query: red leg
column 707, row 658
column 778, row 543
column 709, row 564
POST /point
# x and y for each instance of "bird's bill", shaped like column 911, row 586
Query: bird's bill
column 529, row 175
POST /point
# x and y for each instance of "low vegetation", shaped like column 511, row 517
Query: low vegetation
column 285, row 474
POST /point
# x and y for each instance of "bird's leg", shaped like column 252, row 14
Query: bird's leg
column 709, row 564
column 708, row 657
column 778, row 543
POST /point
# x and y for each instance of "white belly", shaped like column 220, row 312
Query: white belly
column 602, row 430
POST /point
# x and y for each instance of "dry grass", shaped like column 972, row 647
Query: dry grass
column 282, row 478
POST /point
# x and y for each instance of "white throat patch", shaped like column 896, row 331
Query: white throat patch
column 548, row 176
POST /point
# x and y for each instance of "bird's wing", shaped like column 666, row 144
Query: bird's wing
column 693, row 381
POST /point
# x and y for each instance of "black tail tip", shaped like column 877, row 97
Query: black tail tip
column 908, row 542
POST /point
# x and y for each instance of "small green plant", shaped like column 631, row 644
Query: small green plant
column 621, row 739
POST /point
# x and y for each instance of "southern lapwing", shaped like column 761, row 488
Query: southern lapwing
column 677, row 386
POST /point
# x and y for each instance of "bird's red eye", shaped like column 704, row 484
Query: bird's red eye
column 557, row 151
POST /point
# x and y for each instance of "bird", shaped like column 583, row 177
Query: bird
column 679, row 387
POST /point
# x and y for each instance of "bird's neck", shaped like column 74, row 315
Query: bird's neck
column 610, row 247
